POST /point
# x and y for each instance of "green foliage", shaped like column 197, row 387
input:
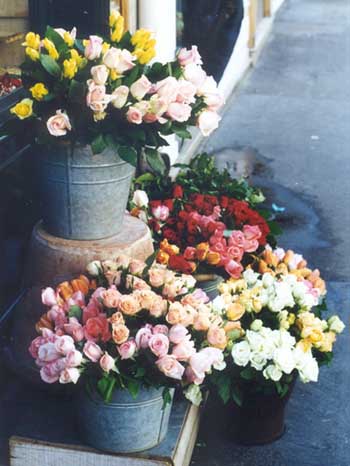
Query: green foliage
column 155, row 161
column 105, row 386
column 50, row 65
column 75, row 311
column 128, row 154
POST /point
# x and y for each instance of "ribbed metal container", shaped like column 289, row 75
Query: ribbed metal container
column 125, row 424
column 84, row 196
column 210, row 286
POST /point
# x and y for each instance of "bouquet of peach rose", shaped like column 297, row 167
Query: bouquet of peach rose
column 128, row 326
column 101, row 91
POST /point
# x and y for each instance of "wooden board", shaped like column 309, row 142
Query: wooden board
column 14, row 8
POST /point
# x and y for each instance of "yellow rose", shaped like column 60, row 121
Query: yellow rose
column 70, row 68
column 140, row 37
column 67, row 37
column 202, row 250
column 39, row 91
column 162, row 257
column 118, row 29
column 213, row 258
column 50, row 47
column 114, row 75
column 144, row 56
column 113, row 18
column 81, row 61
column 24, row 109
column 304, row 345
column 235, row 311
column 327, row 342
column 32, row 54
column 257, row 305
column 32, row 41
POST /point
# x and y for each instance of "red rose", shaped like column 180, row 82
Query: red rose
column 169, row 203
column 97, row 327
column 178, row 191
column 180, row 264
column 154, row 204
column 224, row 200
column 170, row 235
column 154, row 225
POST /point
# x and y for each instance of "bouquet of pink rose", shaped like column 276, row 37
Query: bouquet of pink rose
column 131, row 325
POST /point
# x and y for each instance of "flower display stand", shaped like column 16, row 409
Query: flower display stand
column 51, row 258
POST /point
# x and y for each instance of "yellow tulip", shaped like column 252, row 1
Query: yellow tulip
column 24, row 109
column 50, row 47
column 32, row 40
column 32, row 54
column 68, row 39
column 118, row 30
column 113, row 18
column 70, row 68
column 144, row 56
column 39, row 91
column 81, row 61
column 140, row 37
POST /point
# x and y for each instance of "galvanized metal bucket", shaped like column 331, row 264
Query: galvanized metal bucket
column 125, row 424
column 84, row 196
column 210, row 286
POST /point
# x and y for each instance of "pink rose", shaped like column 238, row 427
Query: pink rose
column 58, row 124
column 170, row 367
column 190, row 253
column 194, row 377
column 214, row 101
column 107, row 362
column 177, row 333
column 215, row 356
column 75, row 329
column 93, row 48
column 70, row 375
column 158, row 307
column 99, row 74
column 159, row 344
column 161, row 212
column 127, row 349
column 92, row 351
column 49, row 297
column 200, row 364
column 48, row 352
column 184, row 350
column 134, row 115
column 136, row 266
column 251, row 245
column 187, row 56
column 111, row 298
column 186, row 92
column 64, row 344
column 251, row 232
column 201, row 296
column 179, row 112
column 122, row 261
column 156, row 277
column 35, row 345
column 195, row 74
column 96, row 295
column 160, row 328
column 119, row 60
column 57, row 315
column 235, row 253
column 49, row 374
column 140, row 87
column 96, row 98
column 74, row 358
column 120, row 96
column 208, row 121
column 143, row 337
column 237, row 239
column 77, row 299
column 167, row 89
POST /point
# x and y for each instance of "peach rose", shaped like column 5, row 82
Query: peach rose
column 208, row 121
column 136, row 283
column 129, row 305
column 107, row 362
column 179, row 112
column 175, row 314
column 111, row 298
column 217, row 337
column 122, row 261
column 127, row 349
column 134, row 115
column 120, row 333
column 96, row 98
column 146, row 298
column 116, row 318
column 235, row 311
column 69, row 375
column 93, row 48
column 202, row 321
column 159, row 344
column 177, row 333
column 58, row 124
column 140, row 87
column 170, row 367
column 156, row 277
column 120, row 96
column 92, row 351
column 158, row 307
column 136, row 266
column 186, row 92
column 184, row 350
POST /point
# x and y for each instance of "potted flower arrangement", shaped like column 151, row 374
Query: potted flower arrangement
column 203, row 221
column 97, row 109
column 276, row 332
column 129, row 334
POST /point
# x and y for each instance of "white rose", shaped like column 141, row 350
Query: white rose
column 120, row 96
column 194, row 394
column 59, row 124
column 280, row 253
column 335, row 324
column 294, row 261
column 250, row 277
column 208, row 121
column 118, row 60
column 307, row 366
column 255, row 340
column 272, row 372
column 267, row 280
column 195, row 74
column 140, row 198
column 94, row 268
column 256, row 325
column 257, row 360
column 140, row 87
column 284, row 359
column 208, row 86
column 99, row 74
column 218, row 304
column 286, row 339
column 241, row 353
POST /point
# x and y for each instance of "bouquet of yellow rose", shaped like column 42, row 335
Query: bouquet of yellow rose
column 102, row 91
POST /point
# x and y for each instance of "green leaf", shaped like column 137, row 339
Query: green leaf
column 182, row 133
column 145, row 177
column 224, row 391
column 149, row 261
column 247, row 373
column 75, row 311
column 98, row 145
column 79, row 45
column 111, row 143
column 50, row 65
column 76, row 91
column 128, row 154
column 105, row 387
column 155, row 161
column 133, row 388
column 132, row 77
column 237, row 395
column 166, row 397
column 59, row 42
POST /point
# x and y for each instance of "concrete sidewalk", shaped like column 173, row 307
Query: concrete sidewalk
column 288, row 127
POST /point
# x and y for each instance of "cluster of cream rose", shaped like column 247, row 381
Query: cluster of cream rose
column 169, row 99
column 290, row 298
column 105, row 334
